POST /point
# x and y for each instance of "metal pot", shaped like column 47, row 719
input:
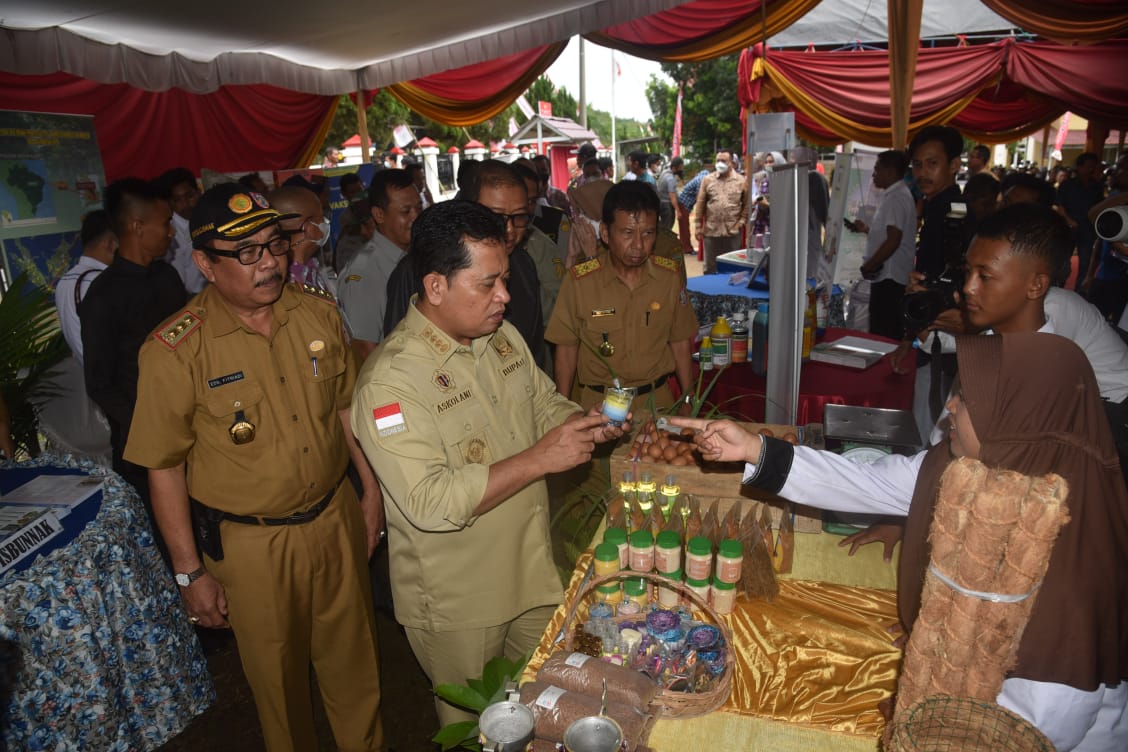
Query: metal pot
column 506, row 727
column 595, row 733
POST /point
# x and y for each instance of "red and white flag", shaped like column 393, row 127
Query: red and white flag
column 389, row 419
column 675, row 147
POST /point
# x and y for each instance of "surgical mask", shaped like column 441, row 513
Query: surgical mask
column 767, row 168
column 323, row 227
column 722, row 167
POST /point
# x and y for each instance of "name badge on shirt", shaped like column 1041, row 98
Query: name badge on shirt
column 230, row 378
column 600, row 312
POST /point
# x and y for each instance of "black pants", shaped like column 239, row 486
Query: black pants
column 885, row 308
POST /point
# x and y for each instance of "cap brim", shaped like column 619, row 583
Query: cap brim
column 250, row 223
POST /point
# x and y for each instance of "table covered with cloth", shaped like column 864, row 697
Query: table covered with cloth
column 96, row 652
column 811, row 666
column 739, row 392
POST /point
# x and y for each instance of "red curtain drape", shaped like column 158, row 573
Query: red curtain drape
column 142, row 133
column 993, row 92
column 702, row 29
column 1066, row 20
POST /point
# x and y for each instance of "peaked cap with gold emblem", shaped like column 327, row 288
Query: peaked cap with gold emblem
column 231, row 212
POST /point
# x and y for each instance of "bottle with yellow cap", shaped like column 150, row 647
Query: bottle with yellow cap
column 721, row 335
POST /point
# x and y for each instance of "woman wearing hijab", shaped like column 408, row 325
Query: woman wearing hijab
column 761, row 186
column 1028, row 403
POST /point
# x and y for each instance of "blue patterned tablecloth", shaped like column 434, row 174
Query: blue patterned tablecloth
column 96, row 652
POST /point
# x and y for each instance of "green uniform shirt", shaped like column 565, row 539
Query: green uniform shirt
column 432, row 415
column 202, row 368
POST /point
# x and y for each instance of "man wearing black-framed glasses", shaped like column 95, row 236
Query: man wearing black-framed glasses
column 251, row 387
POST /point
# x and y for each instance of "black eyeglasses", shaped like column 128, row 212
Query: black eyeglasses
column 519, row 220
column 250, row 254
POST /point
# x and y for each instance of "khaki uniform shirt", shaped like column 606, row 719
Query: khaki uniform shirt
column 640, row 323
column 725, row 203
column 549, row 262
column 202, row 367
column 432, row 415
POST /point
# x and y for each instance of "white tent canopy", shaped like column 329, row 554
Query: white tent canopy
column 339, row 46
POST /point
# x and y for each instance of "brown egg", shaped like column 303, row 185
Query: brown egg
column 682, row 460
column 767, row 432
column 685, row 447
column 655, row 451
column 670, row 453
column 791, row 437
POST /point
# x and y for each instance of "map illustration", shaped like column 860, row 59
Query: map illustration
column 25, row 194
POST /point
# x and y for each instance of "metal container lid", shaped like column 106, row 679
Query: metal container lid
column 871, row 425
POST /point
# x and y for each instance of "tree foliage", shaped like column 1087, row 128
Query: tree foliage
column 710, row 109
column 386, row 112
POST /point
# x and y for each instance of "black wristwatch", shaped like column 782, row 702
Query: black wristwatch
column 184, row 580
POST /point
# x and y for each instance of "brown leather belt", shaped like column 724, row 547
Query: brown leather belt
column 639, row 390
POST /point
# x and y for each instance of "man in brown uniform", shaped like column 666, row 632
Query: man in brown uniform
column 629, row 304
column 249, row 388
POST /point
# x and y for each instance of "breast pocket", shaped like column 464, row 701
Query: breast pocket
column 236, row 410
column 325, row 379
column 600, row 329
column 468, row 430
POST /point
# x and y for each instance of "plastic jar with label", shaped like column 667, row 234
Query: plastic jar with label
column 635, row 589
column 730, row 555
column 611, row 594
column 700, row 587
column 723, row 596
column 606, row 559
column 667, row 552
column 698, row 559
column 642, row 551
column 618, row 537
column 668, row 597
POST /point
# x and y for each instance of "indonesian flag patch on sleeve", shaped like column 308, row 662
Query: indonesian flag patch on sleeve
column 389, row 420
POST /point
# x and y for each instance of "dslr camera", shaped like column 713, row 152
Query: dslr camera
column 920, row 309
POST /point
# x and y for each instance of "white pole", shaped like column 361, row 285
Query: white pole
column 614, row 136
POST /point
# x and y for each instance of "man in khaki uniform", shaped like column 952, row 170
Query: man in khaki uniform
column 629, row 305
column 722, row 210
column 461, row 427
column 249, row 389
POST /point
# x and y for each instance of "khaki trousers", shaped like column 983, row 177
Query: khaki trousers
column 299, row 595
column 453, row 657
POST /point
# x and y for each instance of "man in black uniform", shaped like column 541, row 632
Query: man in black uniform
column 123, row 305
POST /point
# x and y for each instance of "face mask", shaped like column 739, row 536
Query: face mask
column 722, row 167
column 323, row 227
column 767, row 168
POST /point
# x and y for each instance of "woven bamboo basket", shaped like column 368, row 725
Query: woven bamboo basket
column 960, row 724
column 667, row 703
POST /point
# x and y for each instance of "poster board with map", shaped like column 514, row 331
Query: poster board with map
column 50, row 173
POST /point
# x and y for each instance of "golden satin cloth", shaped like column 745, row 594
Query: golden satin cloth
column 811, row 667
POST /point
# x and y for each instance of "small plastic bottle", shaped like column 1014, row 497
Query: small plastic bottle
column 739, row 339
column 611, row 594
column 698, row 559
column 730, row 556
column 642, row 551
column 606, row 559
column 667, row 596
column 635, row 590
column 627, row 488
column 618, row 537
column 646, row 489
column 760, row 340
column 669, row 492
column 705, row 354
column 721, row 336
column 700, row 587
column 722, row 596
column 667, row 552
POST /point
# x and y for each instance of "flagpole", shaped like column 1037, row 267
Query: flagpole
column 614, row 136
column 583, row 87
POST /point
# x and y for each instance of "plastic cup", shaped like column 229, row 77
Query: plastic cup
column 617, row 403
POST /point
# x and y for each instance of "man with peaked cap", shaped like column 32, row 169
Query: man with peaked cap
column 242, row 418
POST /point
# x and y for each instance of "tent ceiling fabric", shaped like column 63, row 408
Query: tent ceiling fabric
column 202, row 45
column 866, row 22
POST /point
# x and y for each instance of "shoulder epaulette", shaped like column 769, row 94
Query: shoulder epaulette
column 665, row 262
column 178, row 329
column 585, row 268
column 317, row 292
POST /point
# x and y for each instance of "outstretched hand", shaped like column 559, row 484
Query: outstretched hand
column 885, row 533
column 721, row 440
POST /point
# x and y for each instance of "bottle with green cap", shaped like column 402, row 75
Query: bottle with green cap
column 730, row 556
column 606, row 559
column 722, row 596
column 698, row 559
column 617, row 536
column 635, row 590
column 668, row 596
column 667, row 552
column 641, row 552
column 699, row 587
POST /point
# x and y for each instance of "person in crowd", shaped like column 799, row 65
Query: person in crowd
column 1076, row 197
column 761, row 192
column 332, row 157
column 636, row 168
column 1068, row 678
column 548, row 248
column 178, row 187
column 363, row 285
column 607, row 168
column 654, row 166
column 722, row 207
column 818, row 207
column 668, row 192
column 1107, row 280
column 935, row 160
column 550, row 195
column 632, row 300
column 978, row 160
column 467, row 168
column 592, row 170
column 687, row 201
column 1020, row 188
column 99, row 244
column 123, row 305
column 307, row 224
column 419, row 178
column 357, row 227
column 890, row 244
column 981, row 196
column 461, row 428
column 254, row 182
column 584, row 154
column 351, row 186
column 283, row 540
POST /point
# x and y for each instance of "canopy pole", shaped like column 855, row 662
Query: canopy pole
column 904, row 42
column 583, row 86
column 362, row 128
column 614, row 137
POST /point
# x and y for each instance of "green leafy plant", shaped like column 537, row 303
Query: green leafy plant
column 31, row 344
column 476, row 695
